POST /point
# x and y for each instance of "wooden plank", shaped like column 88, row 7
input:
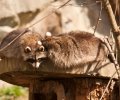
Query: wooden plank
column 21, row 73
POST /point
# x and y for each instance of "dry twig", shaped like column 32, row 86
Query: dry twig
column 99, row 19
column 116, row 33
column 33, row 25
column 111, row 15
column 111, row 52
column 24, row 31
column 107, row 86
column 107, row 43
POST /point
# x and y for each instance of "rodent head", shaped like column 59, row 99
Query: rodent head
column 32, row 49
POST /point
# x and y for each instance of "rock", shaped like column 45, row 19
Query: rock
column 14, row 13
column 51, row 22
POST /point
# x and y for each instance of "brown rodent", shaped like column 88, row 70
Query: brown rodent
column 63, row 51
column 74, row 49
column 27, row 47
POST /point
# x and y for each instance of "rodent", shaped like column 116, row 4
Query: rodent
column 74, row 48
column 27, row 47
column 63, row 51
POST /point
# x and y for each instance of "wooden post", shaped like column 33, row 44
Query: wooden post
column 46, row 90
column 59, row 86
column 72, row 89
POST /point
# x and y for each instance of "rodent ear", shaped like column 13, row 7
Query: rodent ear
column 48, row 34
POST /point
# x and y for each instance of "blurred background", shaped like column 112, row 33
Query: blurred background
column 76, row 15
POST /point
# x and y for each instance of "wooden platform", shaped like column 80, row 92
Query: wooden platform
column 55, row 84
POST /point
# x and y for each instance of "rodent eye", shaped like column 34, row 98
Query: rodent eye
column 41, row 49
column 27, row 49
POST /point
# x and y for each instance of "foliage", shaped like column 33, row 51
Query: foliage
column 10, row 93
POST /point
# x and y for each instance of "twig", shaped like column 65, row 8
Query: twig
column 111, row 52
column 24, row 31
column 116, row 32
column 106, row 41
column 98, row 20
column 49, row 14
column 111, row 16
column 32, row 25
column 108, row 84
column 80, row 4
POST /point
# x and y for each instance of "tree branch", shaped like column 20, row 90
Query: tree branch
column 116, row 31
column 111, row 16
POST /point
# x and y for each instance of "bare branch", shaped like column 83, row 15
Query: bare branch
column 106, row 41
column 98, row 20
column 111, row 16
column 31, row 26
column 49, row 14
column 23, row 32
column 107, row 86
column 116, row 33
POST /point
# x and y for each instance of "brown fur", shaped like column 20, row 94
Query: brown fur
column 61, row 51
column 17, row 48
column 74, row 49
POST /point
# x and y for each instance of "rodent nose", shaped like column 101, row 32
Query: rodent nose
column 31, row 60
